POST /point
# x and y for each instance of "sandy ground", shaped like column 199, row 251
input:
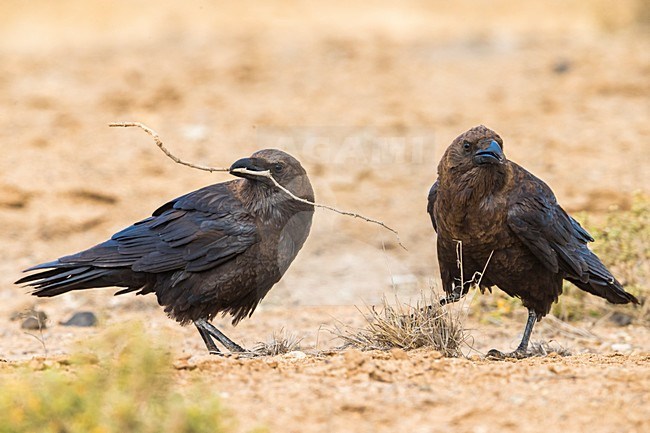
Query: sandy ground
column 367, row 98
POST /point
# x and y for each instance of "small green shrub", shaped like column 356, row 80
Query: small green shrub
column 126, row 385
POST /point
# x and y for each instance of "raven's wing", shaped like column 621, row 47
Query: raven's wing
column 193, row 233
column 433, row 195
column 558, row 241
column 555, row 238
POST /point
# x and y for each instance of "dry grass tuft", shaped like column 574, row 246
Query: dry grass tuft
column 427, row 324
column 543, row 348
column 279, row 344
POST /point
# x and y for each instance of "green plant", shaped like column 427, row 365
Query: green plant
column 623, row 244
column 125, row 385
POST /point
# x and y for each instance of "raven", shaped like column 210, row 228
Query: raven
column 219, row 249
column 499, row 214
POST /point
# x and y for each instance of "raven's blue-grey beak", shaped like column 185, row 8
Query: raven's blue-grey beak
column 251, row 164
column 491, row 155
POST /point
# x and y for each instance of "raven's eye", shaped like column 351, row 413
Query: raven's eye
column 278, row 167
column 467, row 146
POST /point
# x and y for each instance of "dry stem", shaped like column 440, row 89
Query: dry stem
column 162, row 147
column 265, row 173
column 279, row 344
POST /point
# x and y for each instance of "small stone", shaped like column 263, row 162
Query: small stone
column 621, row 347
column 621, row 319
column 295, row 354
column 34, row 320
column 397, row 353
column 562, row 66
column 184, row 365
column 380, row 376
column 81, row 318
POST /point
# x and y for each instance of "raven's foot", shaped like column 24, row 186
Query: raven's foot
column 208, row 330
column 497, row 355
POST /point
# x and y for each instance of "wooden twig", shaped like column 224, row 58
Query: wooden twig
column 484, row 268
column 268, row 175
column 162, row 147
column 41, row 338
column 459, row 263
column 265, row 173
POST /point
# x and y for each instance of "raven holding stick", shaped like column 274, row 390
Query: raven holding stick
column 217, row 250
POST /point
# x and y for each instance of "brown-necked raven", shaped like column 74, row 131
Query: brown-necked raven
column 483, row 204
column 219, row 249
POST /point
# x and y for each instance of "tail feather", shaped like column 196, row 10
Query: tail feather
column 37, row 276
column 53, row 276
column 68, row 282
column 601, row 282
column 614, row 292
column 58, row 278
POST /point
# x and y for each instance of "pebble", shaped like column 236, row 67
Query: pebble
column 621, row 319
column 398, row 353
column 81, row 318
column 34, row 320
column 295, row 354
column 621, row 347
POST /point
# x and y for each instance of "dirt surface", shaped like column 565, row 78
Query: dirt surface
column 367, row 98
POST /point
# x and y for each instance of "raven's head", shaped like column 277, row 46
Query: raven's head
column 479, row 147
column 284, row 168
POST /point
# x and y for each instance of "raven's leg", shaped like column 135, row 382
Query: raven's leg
column 522, row 350
column 214, row 332
column 523, row 345
column 207, row 339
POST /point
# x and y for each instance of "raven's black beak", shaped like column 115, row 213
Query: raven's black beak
column 491, row 155
column 252, row 164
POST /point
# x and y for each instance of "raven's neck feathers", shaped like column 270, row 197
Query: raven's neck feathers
column 270, row 203
column 475, row 184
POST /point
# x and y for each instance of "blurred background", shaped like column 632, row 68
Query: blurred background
column 366, row 95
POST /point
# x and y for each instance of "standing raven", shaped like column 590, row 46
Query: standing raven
column 219, row 249
column 485, row 205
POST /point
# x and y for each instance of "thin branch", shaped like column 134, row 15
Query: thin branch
column 484, row 268
column 266, row 174
column 40, row 339
column 459, row 263
column 162, row 147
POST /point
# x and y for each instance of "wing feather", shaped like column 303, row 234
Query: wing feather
column 431, row 202
column 556, row 239
column 193, row 233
